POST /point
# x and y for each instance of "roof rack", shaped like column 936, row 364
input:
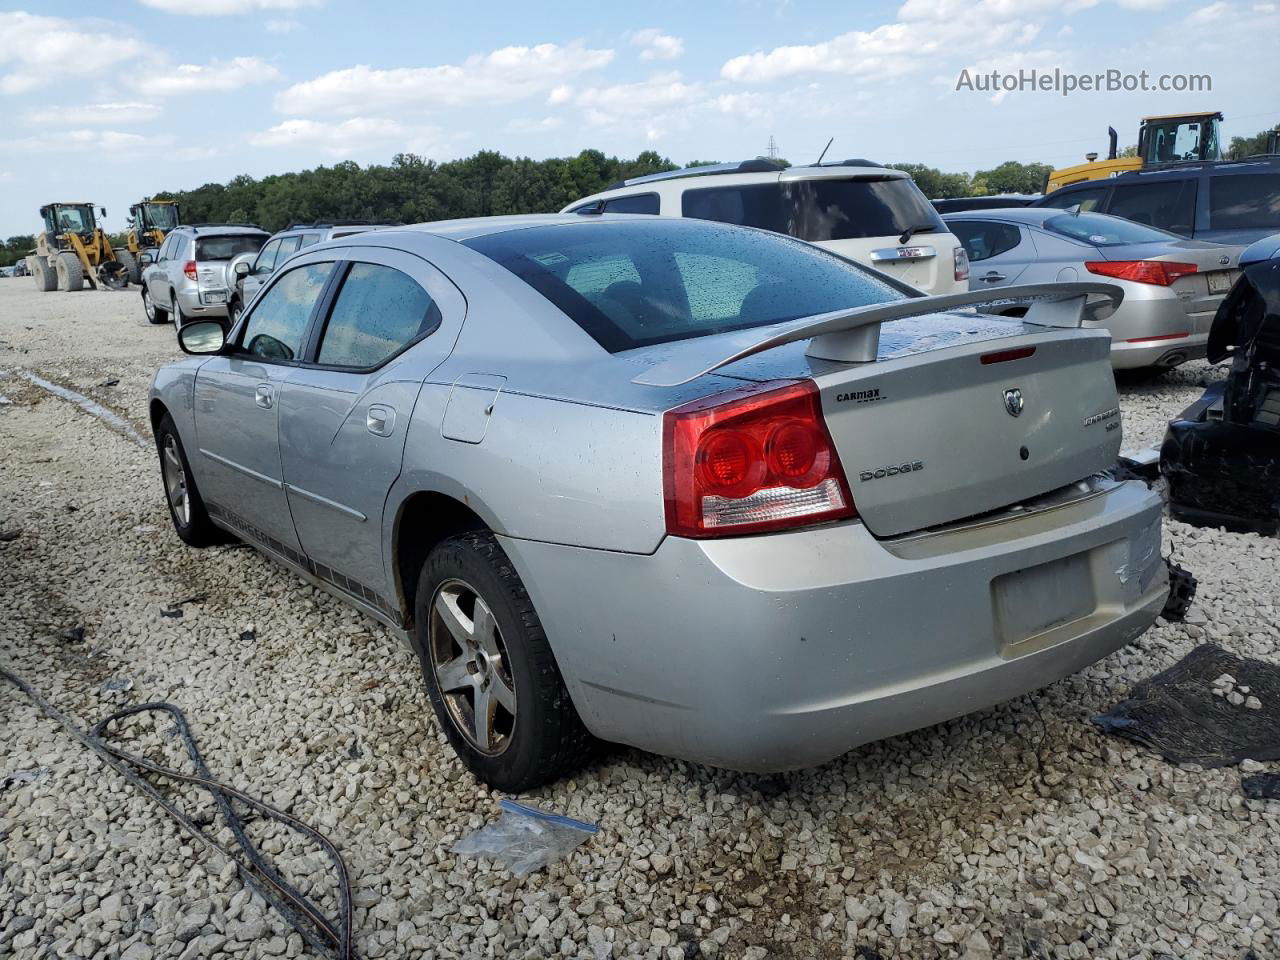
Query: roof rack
column 322, row 224
column 758, row 165
column 197, row 226
column 851, row 162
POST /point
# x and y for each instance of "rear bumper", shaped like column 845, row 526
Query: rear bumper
column 1154, row 328
column 193, row 304
column 777, row 652
column 1169, row 352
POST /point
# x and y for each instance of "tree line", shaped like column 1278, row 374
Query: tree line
column 413, row 189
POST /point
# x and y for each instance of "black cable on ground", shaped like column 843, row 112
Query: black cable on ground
column 319, row 931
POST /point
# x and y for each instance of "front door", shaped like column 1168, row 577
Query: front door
column 237, row 399
column 345, row 413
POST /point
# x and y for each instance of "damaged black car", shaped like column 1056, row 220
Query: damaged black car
column 1221, row 456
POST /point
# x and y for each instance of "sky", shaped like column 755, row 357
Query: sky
column 172, row 94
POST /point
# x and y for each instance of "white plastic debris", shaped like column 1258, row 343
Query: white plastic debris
column 525, row 839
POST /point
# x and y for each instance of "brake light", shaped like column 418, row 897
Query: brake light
column 1162, row 273
column 189, row 268
column 750, row 460
column 962, row 264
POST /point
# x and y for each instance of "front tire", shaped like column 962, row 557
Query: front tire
column 70, row 272
column 234, row 309
column 154, row 314
column 186, row 508
column 493, row 681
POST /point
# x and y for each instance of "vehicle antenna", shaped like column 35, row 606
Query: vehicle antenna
column 824, row 151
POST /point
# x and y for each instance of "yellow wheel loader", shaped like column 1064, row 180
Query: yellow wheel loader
column 1176, row 138
column 72, row 250
column 149, row 223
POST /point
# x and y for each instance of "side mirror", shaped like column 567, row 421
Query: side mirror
column 146, row 259
column 102, row 212
column 202, row 337
column 241, row 269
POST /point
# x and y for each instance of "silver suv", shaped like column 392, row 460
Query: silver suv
column 187, row 278
column 250, row 273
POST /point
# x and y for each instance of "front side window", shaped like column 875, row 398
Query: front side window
column 1099, row 230
column 278, row 322
column 1166, row 204
column 635, row 283
column 983, row 239
column 1245, row 201
column 378, row 312
column 227, row 246
column 1087, row 200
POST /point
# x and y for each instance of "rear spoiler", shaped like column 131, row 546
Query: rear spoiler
column 853, row 335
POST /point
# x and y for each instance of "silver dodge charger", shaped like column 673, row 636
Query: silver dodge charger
column 698, row 488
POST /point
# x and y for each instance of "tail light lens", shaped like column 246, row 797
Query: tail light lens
column 962, row 264
column 1161, row 273
column 189, row 268
column 751, row 460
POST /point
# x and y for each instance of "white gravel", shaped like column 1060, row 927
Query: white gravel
column 1015, row 832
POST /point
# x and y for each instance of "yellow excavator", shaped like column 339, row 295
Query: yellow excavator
column 149, row 222
column 1174, row 138
column 72, row 250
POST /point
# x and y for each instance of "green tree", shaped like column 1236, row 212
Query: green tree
column 1014, row 177
column 935, row 184
column 1249, row 146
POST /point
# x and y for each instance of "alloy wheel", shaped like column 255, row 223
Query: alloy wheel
column 175, row 480
column 471, row 666
column 148, row 307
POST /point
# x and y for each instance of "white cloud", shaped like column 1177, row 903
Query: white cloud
column 502, row 76
column 657, row 45
column 560, row 94
column 658, row 104
column 1213, row 13
column 226, row 8
column 217, row 75
column 530, row 125
column 354, row 136
column 37, row 50
column 93, row 114
column 107, row 142
column 283, row 26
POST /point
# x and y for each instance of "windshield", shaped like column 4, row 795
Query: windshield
column 226, row 247
column 819, row 210
column 1099, row 230
column 632, row 284
column 77, row 219
column 161, row 215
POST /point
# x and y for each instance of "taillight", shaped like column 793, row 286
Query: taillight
column 962, row 264
column 189, row 268
column 1162, row 273
column 754, row 459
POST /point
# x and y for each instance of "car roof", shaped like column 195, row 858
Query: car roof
column 219, row 229
column 470, row 227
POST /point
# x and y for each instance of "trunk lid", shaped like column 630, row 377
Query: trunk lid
column 931, row 437
column 927, row 261
column 1200, row 293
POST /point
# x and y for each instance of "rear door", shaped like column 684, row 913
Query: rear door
column 344, row 413
column 237, row 406
column 999, row 252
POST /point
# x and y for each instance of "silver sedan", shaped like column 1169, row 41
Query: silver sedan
column 702, row 489
column 1172, row 286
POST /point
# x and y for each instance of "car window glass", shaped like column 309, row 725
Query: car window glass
column 631, row 283
column 377, row 313
column 1167, row 204
column 309, row 238
column 983, row 239
column 1087, row 199
column 163, row 253
column 266, row 258
column 1245, row 201
column 1099, row 230
column 226, row 246
column 636, row 203
column 278, row 321
column 288, row 246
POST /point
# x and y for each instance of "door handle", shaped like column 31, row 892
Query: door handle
column 264, row 396
column 993, row 277
column 380, row 420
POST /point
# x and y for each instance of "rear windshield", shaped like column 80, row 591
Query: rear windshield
column 1099, row 230
column 228, row 246
column 818, row 210
column 635, row 283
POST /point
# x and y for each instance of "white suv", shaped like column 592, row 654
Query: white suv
column 868, row 213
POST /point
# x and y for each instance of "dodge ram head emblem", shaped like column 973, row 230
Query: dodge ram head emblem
column 1224, row 260
column 1013, row 401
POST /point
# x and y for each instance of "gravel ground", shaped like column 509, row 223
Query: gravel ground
column 1015, row 832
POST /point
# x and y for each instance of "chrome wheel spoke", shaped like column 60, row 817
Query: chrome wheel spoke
column 454, row 674
column 484, row 705
column 171, row 454
column 484, row 628
column 503, row 694
column 459, row 625
column 176, row 495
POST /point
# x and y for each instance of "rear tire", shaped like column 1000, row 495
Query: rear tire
column 175, row 312
column 234, row 309
column 154, row 314
column 130, row 263
column 496, row 658
column 70, row 272
column 186, row 508
column 46, row 280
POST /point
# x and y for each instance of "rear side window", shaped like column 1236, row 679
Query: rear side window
column 636, row 203
column 309, row 238
column 278, row 323
column 819, row 210
column 1098, row 230
column 1244, row 201
column 266, row 261
column 1167, row 204
column 228, row 246
column 632, row 283
column 983, row 240
column 1087, row 199
column 378, row 312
